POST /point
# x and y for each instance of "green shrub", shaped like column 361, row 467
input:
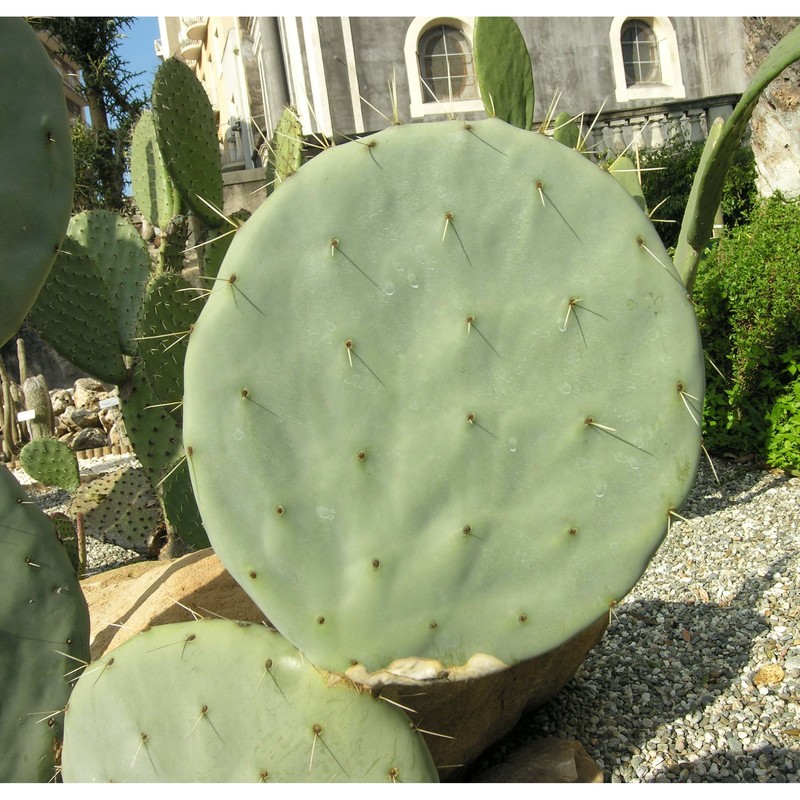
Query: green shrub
column 747, row 297
column 669, row 172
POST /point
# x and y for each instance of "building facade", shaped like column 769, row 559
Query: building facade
column 626, row 78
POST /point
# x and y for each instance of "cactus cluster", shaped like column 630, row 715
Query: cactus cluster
column 437, row 432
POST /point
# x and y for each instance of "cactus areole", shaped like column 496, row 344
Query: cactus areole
column 443, row 400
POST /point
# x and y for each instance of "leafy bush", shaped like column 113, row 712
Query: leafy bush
column 669, row 172
column 747, row 297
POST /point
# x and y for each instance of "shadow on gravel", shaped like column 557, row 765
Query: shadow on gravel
column 668, row 660
column 709, row 497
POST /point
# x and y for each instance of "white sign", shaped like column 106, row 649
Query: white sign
column 107, row 402
column 25, row 415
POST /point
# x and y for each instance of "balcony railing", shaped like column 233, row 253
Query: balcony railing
column 690, row 120
column 195, row 27
column 190, row 48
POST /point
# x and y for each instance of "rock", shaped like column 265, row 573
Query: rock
column 86, row 393
column 90, row 438
column 76, row 419
column 128, row 599
column 477, row 711
column 60, row 398
column 118, row 436
column 775, row 136
column 769, row 675
column 548, row 760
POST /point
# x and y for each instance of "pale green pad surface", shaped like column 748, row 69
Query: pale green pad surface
column 37, row 168
column 220, row 701
column 367, row 559
column 44, row 636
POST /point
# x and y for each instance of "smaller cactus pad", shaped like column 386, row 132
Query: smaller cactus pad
column 220, row 701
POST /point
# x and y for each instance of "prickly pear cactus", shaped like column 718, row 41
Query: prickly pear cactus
column 122, row 260
column 233, row 702
column 153, row 189
column 503, row 70
column 44, row 637
column 287, row 149
column 52, row 462
column 186, row 135
column 451, row 415
column 119, row 507
column 167, row 314
column 36, row 160
column 74, row 313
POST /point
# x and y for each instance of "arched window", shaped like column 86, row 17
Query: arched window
column 640, row 53
column 645, row 58
column 445, row 65
column 439, row 63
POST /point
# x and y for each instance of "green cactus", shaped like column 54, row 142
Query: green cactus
column 503, row 70
column 70, row 534
column 566, row 131
column 186, row 136
column 37, row 400
column 74, row 313
column 286, row 150
column 36, row 160
column 44, row 637
column 233, row 702
column 155, row 433
column 436, row 426
column 156, row 195
column 120, row 507
column 52, row 462
column 167, row 314
column 120, row 254
column 624, row 170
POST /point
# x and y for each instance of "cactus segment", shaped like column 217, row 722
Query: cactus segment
column 566, row 130
column 74, row 314
column 287, row 149
column 153, row 189
column 503, row 69
column 721, row 144
column 52, row 462
column 220, row 239
column 72, row 539
column 155, row 433
column 44, row 637
column 624, row 170
column 37, row 399
column 213, row 676
column 452, row 415
column 36, row 160
column 122, row 261
column 120, row 507
column 168, row 312
column 186, row 135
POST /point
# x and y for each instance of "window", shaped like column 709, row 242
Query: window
column 645, row 59
column 441, row 73
column 445, row 65
column 640, row 53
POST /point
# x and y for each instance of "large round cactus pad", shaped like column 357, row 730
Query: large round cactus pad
column 37, row 165
column 220, row 701
column 443, row 399
column 44, row 637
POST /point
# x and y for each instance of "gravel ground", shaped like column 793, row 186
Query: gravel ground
column 100, row 556
column 698, row 677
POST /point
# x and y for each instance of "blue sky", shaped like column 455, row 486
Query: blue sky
column 138, row 50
